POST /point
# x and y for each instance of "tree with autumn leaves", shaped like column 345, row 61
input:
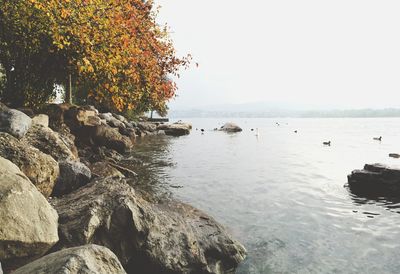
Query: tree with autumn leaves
column 114, row 51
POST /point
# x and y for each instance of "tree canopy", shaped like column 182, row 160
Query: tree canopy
column 117, row 54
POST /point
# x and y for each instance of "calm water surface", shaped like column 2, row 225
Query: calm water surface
column 282, row 194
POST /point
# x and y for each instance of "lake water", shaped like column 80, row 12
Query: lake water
column 282, row 194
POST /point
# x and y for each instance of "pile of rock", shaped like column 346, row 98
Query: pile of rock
column 66, row 205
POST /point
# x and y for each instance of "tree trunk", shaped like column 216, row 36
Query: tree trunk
column 68, row 91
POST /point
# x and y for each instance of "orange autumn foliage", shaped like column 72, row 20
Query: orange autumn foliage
column 116, row 50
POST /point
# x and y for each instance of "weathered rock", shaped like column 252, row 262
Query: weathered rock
column 111, row 120
column 39, row 167
column 147, row 126
column 28, row 224
column 230, row 127
column 180, row 122
column 49, row 142
column 103, row 170
column 77, row 117
column 165, row 237
column 176, row 129
column 120, row 118
column 73, row 175
column 14, row 122
column 88, row 259
column 111, row 138
column 41, row 119
column 375, row 178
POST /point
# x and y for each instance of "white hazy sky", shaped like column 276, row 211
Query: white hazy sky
column 337, row 53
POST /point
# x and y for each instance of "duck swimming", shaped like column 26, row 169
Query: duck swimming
column 378, row 139
column 327, row 143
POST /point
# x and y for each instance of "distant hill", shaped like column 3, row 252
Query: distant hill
column 275, row 112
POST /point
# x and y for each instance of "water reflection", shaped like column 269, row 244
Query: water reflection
column 373, row 196
column 150, row 159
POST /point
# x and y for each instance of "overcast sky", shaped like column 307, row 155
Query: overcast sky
column 337, row 53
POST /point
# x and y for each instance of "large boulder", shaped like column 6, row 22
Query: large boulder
column 163, row 237
column 110, row 138
column 14, row 122
column 376, row 179
column 88, row 259
column 176, row 129
column 49, row 142
column 73, row 175
column 39, row 167
column 230, row 127
column 28, row 224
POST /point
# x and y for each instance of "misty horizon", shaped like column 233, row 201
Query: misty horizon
column 341, row 54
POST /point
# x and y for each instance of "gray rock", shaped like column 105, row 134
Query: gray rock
column 120, row 118
column 28, row 224
column 39, row 167
column 163, row 237
column 41, row 119
column 88, row 259
column 230, row 127
column 73, row 175
column 14, row 122
column 176, row 129
column 49, row 142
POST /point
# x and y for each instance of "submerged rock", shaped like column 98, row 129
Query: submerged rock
column 230, row 127
column 88, row 259
column 73, row 175
column 167, row 237
column 14, row 122
column 39, row 167
column 28, row 224
column 375, row 179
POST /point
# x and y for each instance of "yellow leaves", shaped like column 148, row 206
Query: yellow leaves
column 65, row 13
column 117, row 47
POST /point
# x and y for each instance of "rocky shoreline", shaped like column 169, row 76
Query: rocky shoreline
column 67, row 204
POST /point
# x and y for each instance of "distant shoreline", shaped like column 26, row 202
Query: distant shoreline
column 352, row 113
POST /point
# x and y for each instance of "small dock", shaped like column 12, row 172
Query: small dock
column 158, row 120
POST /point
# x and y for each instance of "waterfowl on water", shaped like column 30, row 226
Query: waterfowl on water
column 378, row 139
column 327, row 143
column 295, row 131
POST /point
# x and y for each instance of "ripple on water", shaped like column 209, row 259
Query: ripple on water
column 282, row 194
